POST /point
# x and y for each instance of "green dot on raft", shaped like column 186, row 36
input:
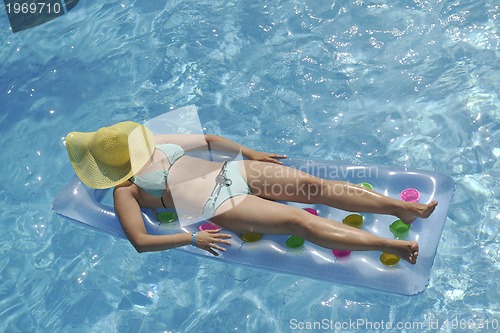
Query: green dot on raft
column 166, row 217
column 399, row 229
column 294, row 242
column 366, row 185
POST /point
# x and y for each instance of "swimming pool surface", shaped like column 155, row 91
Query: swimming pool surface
column 406, row 84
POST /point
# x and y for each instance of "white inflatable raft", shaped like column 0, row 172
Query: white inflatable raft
column 94, row 208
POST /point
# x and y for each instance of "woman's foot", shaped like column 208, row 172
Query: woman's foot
column 412, row 210
column 406, row 250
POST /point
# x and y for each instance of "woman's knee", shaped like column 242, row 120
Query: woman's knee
column 310, row 188
column 301, row 223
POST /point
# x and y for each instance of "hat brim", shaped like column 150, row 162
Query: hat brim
column 93, row 173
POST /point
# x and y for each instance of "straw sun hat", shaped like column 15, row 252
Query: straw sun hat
column 111, row 155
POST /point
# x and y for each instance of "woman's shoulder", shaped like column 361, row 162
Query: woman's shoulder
column 125, row 187
column 128, row 190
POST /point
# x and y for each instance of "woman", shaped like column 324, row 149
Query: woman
column 150, row 171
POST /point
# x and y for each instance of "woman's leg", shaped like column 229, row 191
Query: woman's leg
column 259, row 215
column 277, row 182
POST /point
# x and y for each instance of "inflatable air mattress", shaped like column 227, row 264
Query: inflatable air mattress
column 288, row 253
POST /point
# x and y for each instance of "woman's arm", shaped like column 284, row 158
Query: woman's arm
column 128, row 210
column 186, row 141
column 216, row 142
column 190, row 142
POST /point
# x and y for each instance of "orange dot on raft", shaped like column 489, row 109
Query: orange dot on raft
column 389, row 259
column 353, row 220
column 251, row 237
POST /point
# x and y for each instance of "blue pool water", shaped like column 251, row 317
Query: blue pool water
column 405, row 83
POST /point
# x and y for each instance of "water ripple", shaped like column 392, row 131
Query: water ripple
column 410, row 84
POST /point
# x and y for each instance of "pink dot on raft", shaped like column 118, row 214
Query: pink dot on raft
column 312, row 211
column 410, row 195
column 208, row 226
column 341, row 253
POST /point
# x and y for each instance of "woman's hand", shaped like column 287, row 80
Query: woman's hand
column 265, row 157
column 209, row 239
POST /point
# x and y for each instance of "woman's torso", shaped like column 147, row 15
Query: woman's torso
column 190, row 181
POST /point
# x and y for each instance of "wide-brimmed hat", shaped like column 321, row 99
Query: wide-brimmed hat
column 111, row 155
